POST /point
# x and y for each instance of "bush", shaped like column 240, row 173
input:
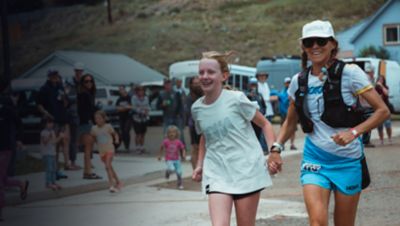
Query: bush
column 371, row 50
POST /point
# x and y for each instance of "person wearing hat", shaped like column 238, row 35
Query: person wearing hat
column 263, row 89
column 333, row 159
column 283, row 99
column 52, row 103
column 170, row 103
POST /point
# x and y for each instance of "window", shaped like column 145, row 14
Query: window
column 245, row 82
column 392, row 34
column 237, row 81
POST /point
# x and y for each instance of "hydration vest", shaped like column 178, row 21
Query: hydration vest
column 337, row 114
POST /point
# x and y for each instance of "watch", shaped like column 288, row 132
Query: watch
column 276, row 147
column 354, row 132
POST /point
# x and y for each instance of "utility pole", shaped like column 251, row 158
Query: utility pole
column 109, row 11
column 6, row 42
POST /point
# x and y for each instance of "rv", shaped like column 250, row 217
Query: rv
column 387, row 68
column 278, row 68
column 184, row 70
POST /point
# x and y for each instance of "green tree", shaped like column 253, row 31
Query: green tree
column 371, row 50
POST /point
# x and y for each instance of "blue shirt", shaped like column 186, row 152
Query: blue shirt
column 283, row 98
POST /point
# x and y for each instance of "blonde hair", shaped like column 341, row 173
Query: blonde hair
column 102, row 114
column 221, row 58
column 173, row 128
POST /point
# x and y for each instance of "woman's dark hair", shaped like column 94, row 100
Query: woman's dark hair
column 191, row 81
column 334, row 52
column 195, row 92
column 82, row 87
column 383, row 80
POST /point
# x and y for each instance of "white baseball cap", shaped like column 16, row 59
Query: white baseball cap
column 318, row 28
column 287, row 79
column 79, row 66
column 368, row 67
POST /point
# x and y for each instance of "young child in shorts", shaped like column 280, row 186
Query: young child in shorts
column 105, row 137
column 174, row 152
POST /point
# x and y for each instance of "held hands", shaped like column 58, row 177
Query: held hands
column 274, row 163
column 197, row 174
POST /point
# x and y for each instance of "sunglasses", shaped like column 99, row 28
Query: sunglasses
column 88, row 81
column 309, row 42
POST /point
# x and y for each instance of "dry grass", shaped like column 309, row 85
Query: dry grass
column 158, row 33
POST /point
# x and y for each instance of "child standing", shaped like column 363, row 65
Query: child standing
column 174, row 150
column 230, row 162
column 48, row 141
column 105, row 137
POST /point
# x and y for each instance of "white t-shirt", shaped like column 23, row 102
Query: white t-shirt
column 354, row 82
column 50, row 147
column 265, row 92
column 234, row 161
column 104, row 138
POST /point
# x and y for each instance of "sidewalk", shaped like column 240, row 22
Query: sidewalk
column 131, row 168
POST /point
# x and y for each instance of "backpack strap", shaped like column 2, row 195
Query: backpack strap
column 301, row 106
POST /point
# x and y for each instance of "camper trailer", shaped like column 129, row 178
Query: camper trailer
column 387, row 68
column 184, row 70
column 278, row 68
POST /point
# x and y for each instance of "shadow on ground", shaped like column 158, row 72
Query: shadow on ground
column 188, row 184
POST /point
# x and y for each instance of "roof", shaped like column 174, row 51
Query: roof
column 345, row 36
column 371, row 19
column 108, row 68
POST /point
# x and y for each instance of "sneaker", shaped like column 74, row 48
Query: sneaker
column 167, row 173
column 180, row 187
column 113, row 189
column 293, row 148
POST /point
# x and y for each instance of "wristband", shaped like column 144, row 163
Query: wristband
column 276, row 147
column 354, row 132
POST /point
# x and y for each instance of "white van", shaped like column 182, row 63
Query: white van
column 239, row 75
column 387, row 68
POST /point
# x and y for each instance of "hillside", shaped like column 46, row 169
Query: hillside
column 160, row 32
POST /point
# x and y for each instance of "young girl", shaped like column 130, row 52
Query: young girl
column 230, row 163
column 174, row 148
column 105, row 136
column 48, row 141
